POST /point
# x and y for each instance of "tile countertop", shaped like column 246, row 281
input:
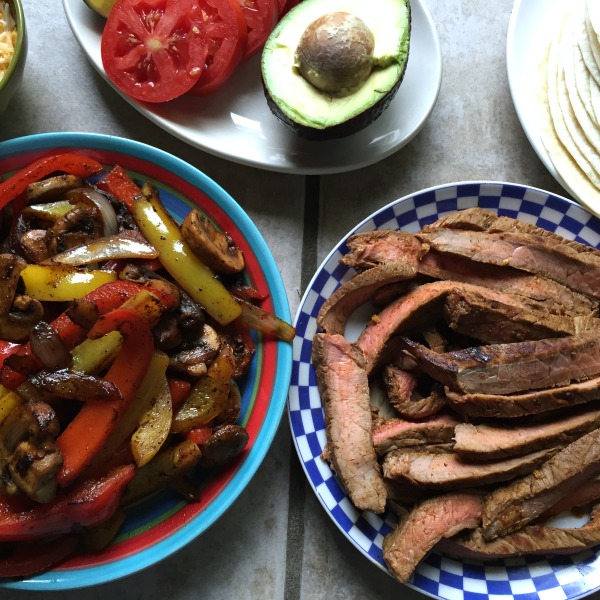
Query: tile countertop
column 276, row 540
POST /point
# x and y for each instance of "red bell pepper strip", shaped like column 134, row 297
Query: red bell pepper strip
column 179, row 389
column 85, row 435
column 118, row 183
column 72, row 164
column 107, row 297
column 199, row 435
column 7, row 348
column 30, row 558
column 91, row 502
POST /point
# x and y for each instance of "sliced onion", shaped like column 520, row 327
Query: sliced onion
column 260, row 320
column 110, row 225
column 74, row 385
column 126, row 244
column 48, row 347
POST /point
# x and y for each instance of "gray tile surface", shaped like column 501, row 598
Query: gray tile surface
column 259, row 548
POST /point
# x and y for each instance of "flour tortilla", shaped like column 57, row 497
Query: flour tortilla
column 583, row 85
column 593, row 12
column 551, row 122
column 582, row 128
column 565, row 123
column 585, row 42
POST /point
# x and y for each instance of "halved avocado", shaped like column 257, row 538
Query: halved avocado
column 102, row 7
column 313, row 64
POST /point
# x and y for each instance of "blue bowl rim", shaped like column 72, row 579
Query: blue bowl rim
column 56, row 580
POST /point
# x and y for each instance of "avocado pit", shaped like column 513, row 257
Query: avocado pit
column 335, row 53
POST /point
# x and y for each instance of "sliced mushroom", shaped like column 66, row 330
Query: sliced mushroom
column 28, row 453
column 224, row 444
column 77, row 227
column 52, row 188
column 18, row 314
column 194, row 359
column 33, row 243
column 217, row 250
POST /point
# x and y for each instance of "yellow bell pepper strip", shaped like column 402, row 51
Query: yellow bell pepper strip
column 72, row 164
column 91, row 502
column 143, row 401
column 59, row 283
column 169, row 464
column 185, row 267
column 154, row 426
column 86, row 434
column 93, row 356
column 261, row 320
column 8, row 401
column 50, row 211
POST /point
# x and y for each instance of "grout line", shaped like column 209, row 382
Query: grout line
column 298, row 486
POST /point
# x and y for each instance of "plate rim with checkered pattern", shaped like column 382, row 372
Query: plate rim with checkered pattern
column 438, row 576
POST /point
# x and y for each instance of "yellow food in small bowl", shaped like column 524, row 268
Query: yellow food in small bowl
column 13, row 49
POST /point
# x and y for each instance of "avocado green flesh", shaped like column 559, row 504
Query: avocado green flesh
column 102, row 7
column 313, row 113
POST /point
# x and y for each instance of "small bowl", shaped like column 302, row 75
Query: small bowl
column 13, row 77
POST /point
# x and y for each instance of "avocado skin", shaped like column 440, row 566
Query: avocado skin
column 347, row 128
column 344, row 129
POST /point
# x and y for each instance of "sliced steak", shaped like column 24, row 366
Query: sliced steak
column 483, row 219
column 533, row 539
column 508, row 319
column 429, row 522
column 384, row 246
column 513, row 367
column 336, row 310
column 486, row 442
column 344, row 389
column 579, row 271
column 587, row 493
column 391, row 434
column 417, row 308
column 554, row 297
column 513, row 506
column 449, row 472
column 402, row 393
column 528, row 403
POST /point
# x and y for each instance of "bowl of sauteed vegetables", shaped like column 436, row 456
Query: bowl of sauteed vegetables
column 145, row 357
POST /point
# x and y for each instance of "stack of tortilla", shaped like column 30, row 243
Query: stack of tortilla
column 569, row 95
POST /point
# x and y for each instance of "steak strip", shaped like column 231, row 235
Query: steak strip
column 513, row 367
column 344, row 389
column 391, row 434
column 579, row 271
column 336, row 310
column 486, row 442
column 527, row 403
column 449, row 472
column 508, row 319
column 429, row 522
column 513, row 506
column 533, row 539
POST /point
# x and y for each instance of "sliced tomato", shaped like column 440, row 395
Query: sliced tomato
column 261, row 17
column 227, row 35
column 154, row 50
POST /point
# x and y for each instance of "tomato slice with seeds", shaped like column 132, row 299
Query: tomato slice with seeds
column 154, row 50
column 261, row 17
column 227, row 35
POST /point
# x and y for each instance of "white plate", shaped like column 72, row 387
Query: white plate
column 236, row 123
column 527, row 40
column 438, row 575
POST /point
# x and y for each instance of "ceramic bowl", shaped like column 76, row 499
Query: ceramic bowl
column 164, row 523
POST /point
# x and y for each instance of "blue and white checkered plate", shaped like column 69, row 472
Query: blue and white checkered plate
column 439, row 576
